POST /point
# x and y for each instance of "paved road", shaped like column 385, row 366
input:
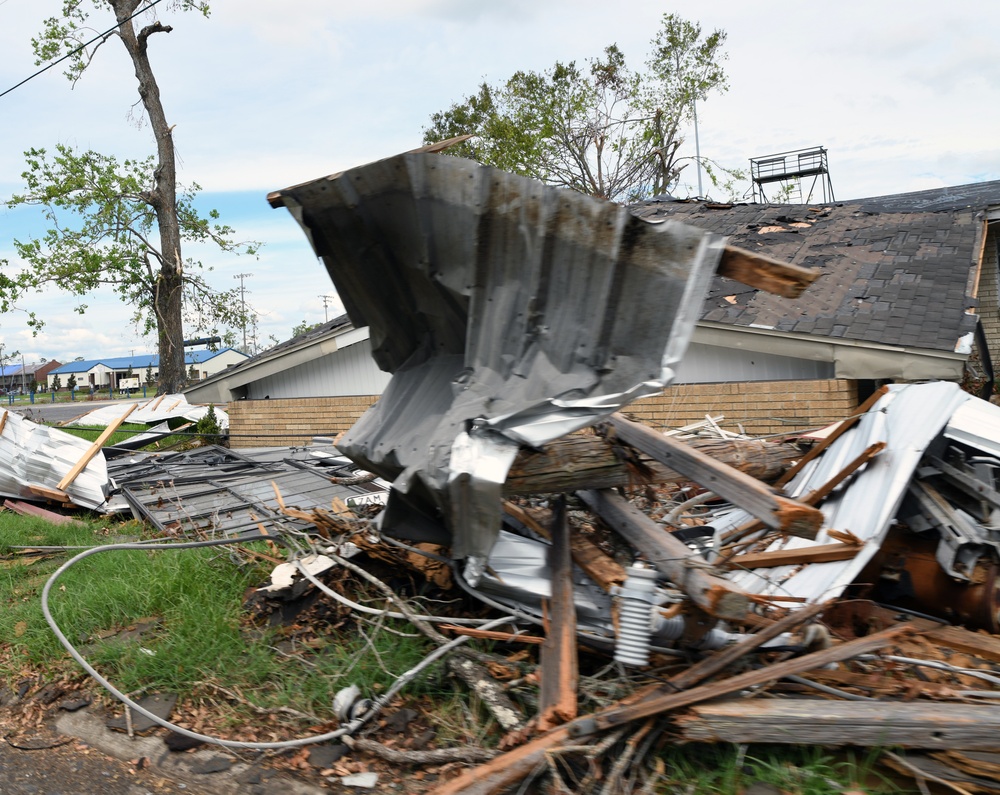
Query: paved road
column 62, row 412
column 73, row 770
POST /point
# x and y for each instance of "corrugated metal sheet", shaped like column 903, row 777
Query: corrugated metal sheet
column 508, row 311
column 907, row 419
column 155, row 409
column 216, row 491
column 32, row 454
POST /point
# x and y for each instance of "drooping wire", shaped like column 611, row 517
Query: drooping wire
column 74, row 51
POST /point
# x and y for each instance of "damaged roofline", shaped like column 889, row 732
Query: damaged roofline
column 851, row 358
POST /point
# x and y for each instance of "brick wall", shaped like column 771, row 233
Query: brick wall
column 762, row 408
column 988, row 303
column 292, row 421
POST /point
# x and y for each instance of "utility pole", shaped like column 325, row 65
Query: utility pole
column 23, row 388
column 243, row 304
column 326, row 303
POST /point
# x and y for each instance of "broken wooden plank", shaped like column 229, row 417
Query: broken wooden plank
column 758, row 499
column 842, row 427
column 513, row 766
column 55, row 495
column 492, row 634
column 820, row 553
column 27, row 509
column 601, row 568
column 836, row 723
column 586, row 461
column 765, row 273
column 95, row 448
column 558, row 661
column 3, row 421
column 813, row 498
column 671, row 557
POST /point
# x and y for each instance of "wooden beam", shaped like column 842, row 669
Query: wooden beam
column 758, row 499
column 558, row 661
column 836, row 433
column 56, row 495
column 820, row 553
column 3, row 421
column 671, row 557
column 836, row 723
column 511, row 767
column 601, row 568
column 765, row 273
column 95, row 448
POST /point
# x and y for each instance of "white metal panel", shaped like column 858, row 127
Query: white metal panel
column 347, row 371
column 707, row 364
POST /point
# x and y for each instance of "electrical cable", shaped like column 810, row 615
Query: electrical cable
column 73, row 52
column 376, row 705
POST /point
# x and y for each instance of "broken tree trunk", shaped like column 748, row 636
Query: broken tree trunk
column 585, row 461
column 671, row 557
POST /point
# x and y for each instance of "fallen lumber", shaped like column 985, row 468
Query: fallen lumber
column 836, row 723
column 27, row 509
column 758, row 499
column 558, row 661
column 586, row 461
column 95, row 448
column 671, row 557
column 511, row 767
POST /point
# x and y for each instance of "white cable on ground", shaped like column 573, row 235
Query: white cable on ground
column 350, row 728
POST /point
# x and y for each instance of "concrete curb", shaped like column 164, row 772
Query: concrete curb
column 238, row 779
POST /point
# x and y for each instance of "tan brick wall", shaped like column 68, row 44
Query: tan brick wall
column 988, row 303
column 292, row 421
column 762, row 408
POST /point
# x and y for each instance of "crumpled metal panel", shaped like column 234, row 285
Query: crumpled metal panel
column 32, row 454
column 213, row 490
column 509, row 312
column 908, row 419
column 156, row 409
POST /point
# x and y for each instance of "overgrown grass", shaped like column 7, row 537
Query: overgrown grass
column 192, row 600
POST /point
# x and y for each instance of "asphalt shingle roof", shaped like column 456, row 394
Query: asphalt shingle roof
column 897, row 270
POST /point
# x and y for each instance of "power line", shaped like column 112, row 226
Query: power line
column 71, row 53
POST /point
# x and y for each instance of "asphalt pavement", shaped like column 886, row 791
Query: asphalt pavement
column 62, row 412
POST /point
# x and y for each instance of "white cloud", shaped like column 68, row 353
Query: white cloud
column 904, row 95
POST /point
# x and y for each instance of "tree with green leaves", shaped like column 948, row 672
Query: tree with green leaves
column 304, row 327
column 71, row 382
column 601, row 129
column 127, row 218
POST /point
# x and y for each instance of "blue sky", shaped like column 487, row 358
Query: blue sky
column 265, row 94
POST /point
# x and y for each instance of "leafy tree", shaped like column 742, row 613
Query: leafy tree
column 71, row 382
column 132, row 216
column 56, row 383
column 192, row 374
column 208, row 427
column 149, row 375
column 304, row 327
column 602, row 129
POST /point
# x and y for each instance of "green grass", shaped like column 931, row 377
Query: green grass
column 200, row 632
column 126, row 431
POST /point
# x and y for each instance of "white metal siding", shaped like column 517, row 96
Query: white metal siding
column 708, row 364
column 348, row 371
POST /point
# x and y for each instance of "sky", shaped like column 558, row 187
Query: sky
column 904, row 95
